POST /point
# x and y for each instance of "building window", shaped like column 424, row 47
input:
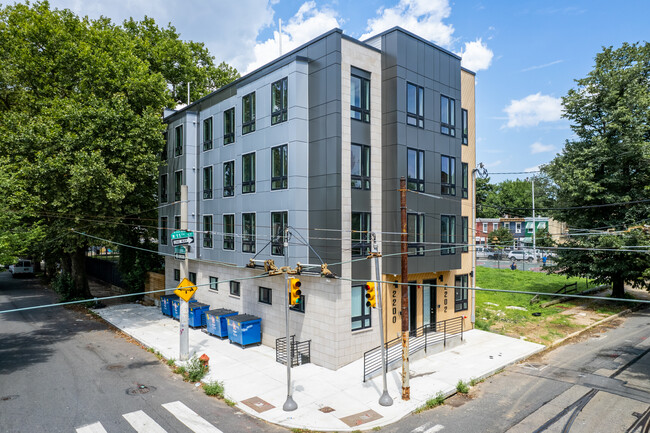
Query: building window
column 495, row 226
column 207, row 182
column 465, row 232
column 163, row 188
column 178, row 181
column 248, row 173
column 163, row 231
column 163, row 154
column 235, row 288
column 207, row 134
column 517, row 227
column 506, row 225
column 415, row 234
column 485, row 227
column 278, row 229
column 464, row 124
column 465, row 187
column 360, row 233
column 192, row 277
column 229, row 179
column 207, row 231
column 461, row 293
column 177, row 274
column 447, row 116
column 279, row 165
column 360, row 311
column 248, row 232
column 214, row 284
column 360, row 159
column 415, row 170
column 279, row 101
column 360, row 98
column 248, row 113
column 448, row 175
column 229, row 126
column 177, row 222
column 447, row 234
column 178, row 150
column 414, row 105
column 229, row 232
column 300, row 306
column 265, row 295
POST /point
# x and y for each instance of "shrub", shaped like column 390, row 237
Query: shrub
column 214, row 388
column 462, row 387
column 195, row 369
column 63, row 285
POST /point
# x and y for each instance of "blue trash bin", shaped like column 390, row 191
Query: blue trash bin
column 245, row 329
column 217, row 323
column 166, row 304
column 176, row 307
column 197, row 318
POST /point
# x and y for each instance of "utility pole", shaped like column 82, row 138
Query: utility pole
column 406, row 387
column 184, row 318
column 289, row 404
column 534, row 225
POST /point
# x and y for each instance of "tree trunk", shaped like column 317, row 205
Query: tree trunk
column 618, row 288
column 66, row 264
column 78, row 262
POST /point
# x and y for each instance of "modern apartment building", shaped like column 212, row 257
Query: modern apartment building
column 316, row 142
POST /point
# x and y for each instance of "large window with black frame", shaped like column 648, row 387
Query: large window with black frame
column 248, row 173
column 360, row 233
column 360, row 166
column 465, row 186
column 248, row 113
column 279, row 167
column 178, row 149
column 248, row 232
column 360, row 98
column 447, row 234
column 279, row 101
column 447, row 175
column 207, row 182
column 207, row 231
column 229, row 232
column 447, row 116
column 415, row 233
column 163, row 188
column 178, row 182
column 278, row 232
column 464, row 125
column 229, row 126
column 415, row 169
column 360, row 311
column 229, row 179
column 461, row 298
column 465, row 232
column 207, row 134
column 163, row 231
column 415, row 105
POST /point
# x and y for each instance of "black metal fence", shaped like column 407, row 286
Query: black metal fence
column 104, row 270
column 300, row 351
column 419, row 339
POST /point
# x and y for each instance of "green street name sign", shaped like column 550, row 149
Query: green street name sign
column 182, row 237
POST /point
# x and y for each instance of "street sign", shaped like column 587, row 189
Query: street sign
column 185, row 290
column 179, row 252
column 182, row 237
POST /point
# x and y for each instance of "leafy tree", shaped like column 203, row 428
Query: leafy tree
column 543, row 238
column 608, row 162
column 501, row 237
column 487, row 205
column 513, row 197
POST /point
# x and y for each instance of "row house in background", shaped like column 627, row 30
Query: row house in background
column 315, row 142
column 521, row 229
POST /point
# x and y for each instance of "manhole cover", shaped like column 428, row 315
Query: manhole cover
column 326, row 409
column 140, row 389
column 8, row 397
column 114, row 367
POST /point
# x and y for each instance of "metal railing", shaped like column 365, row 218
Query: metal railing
column 419, row 339
column 300, row 351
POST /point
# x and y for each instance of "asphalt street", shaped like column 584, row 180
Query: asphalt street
column 63, row 371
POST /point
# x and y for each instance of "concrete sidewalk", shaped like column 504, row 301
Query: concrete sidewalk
column 327, row 400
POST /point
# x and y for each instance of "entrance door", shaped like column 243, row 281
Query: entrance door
column 413, row 306
column 429, row 303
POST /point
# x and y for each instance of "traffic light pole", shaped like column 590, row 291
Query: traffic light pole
column 406, row 387
column 184, row 316
column 289, row 404
column 385, row 399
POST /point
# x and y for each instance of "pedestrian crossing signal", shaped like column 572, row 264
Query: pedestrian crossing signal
column 370, row 295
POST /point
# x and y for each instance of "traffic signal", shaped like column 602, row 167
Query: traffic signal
column 370, row 294
column 294, row 291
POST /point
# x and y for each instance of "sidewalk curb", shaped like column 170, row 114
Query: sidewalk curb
column 593, row 325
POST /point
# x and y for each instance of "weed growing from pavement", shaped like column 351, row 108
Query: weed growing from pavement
column 214, row 388
column 230, row 402
column 438, row 400
column 196, row 369
column 150, row 349
column 180, row 370
column 462, row 387
column 171, row 362
column 474, row 381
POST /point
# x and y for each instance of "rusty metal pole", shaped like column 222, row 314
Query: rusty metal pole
column 406, row 387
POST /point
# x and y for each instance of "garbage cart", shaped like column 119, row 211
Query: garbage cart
column 245, row 330
column 176, row 307
column 166, row 304
column 217, row 323
column 197, row 318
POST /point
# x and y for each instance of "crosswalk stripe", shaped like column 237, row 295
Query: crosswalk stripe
column 426, row 428
column 190, row 418
column 92, row 428
column 143, row 423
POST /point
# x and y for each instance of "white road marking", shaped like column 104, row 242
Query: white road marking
column 426, row 428
column 92, row 428
column 143, row 423
column 190, row 418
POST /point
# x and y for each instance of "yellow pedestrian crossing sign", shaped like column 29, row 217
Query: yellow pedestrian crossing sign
column 185, row 290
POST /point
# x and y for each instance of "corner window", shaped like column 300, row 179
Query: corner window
column 279, row 101
column 415, row 234
column 447, row 234
column 214, row 284
column 415, row 105
column 248, row 173
column 248, row 113
column 163, row 231
column 465, row 232
column 279, row 164
column 448, row 175
column 461, row 298
column 177, row 274
column 278, row 229
column 178, row 181
column 229, row 232
column 163, row 154
column 207, row 231
column 207, row 182
column 177, row 222
column 207, row 134
column 360, row 170
column 447, row 116
column 229, row 179
column 192, row 277
column 178, row 150
column 229, row 126
column 360, row 98
column 415, row 170
column 360, row 313
column 265, row 295
column 464, row 126
column 248, row 232
column 163, row 188
column 235, row 288
column 360, row 233
column 465, row 186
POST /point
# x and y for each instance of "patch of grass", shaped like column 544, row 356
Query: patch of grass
column 171, row 362
column 438, row 400
column 180, row 370
column 376, row 428
column 196, row 369
column 474, row 381
column 214, row 388
column 230, row 402
column 158, row 355
column 462, row 387
column 150, row 350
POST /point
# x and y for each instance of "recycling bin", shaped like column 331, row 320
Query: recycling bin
column 217, row 323
column 176, row 307
column 245, row 329
column 197, row 318
column 166, row 304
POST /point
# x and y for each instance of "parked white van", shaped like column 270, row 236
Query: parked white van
column 23, row 267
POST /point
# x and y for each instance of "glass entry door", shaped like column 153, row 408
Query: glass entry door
column 429, row 303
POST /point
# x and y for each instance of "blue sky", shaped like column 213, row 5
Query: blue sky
column 526, row 53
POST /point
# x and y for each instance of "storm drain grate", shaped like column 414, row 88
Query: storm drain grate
column 140, row 389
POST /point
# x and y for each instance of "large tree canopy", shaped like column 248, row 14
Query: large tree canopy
column 80, row 126
column 513, row 197
column 608, row 163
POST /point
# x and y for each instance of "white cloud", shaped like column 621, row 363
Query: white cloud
column 422, row 17
column 305, row 25
column 493, row 164
column 532, row 110
column 476, row 55
column 538, row 147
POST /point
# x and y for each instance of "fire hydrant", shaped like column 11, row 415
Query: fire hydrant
column 204, row 359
